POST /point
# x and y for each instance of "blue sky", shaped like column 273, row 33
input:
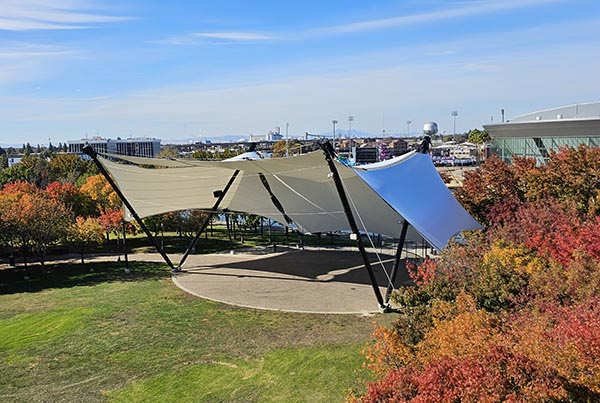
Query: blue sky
column 196, row 69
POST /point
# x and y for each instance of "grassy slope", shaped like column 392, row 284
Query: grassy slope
column 78, row 336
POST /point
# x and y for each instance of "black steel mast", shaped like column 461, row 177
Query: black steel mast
column 329, row 157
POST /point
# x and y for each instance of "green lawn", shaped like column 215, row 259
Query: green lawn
column 72, row 335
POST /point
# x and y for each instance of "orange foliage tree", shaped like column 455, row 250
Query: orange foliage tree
column 34, row 220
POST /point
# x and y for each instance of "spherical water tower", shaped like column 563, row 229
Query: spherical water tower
column 430, row 129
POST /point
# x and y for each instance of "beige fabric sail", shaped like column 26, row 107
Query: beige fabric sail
column 302, row 185
column 300, row 192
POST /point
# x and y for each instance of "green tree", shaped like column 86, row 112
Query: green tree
column 32, row 169
column 70, row 168
column 478, row 136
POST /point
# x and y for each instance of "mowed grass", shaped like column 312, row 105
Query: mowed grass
column 75, row 335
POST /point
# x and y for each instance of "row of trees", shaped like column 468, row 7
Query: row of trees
column 510, row 314
column 33, row 219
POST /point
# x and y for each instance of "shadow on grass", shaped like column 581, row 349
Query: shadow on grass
column 64, row 275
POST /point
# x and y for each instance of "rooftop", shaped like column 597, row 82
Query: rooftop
column 590, row 110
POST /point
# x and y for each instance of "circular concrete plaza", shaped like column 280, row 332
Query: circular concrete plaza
column 316, row 281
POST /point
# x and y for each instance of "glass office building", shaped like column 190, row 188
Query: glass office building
column 536, row 134
column 138, row 147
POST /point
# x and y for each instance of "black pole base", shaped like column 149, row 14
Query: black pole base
column 388, row 309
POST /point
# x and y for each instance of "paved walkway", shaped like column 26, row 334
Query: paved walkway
column 317, row 281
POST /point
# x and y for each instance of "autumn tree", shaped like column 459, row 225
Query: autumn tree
column 81, row 204
column 85, row 232
column 168, row 152
column 280, row 147
column 571, row 176
column 508, row 314
column 98, row 189
column 36, row 221
column 111, row 221
column 491, row 192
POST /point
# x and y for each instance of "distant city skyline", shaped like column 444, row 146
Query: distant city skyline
column 204, row 69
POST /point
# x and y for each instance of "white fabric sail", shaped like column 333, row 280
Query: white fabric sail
column 300, row 190
column 413, row 187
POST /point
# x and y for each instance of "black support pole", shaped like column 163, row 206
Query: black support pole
column 88, row 150
column 329, row 157
column 220, row 194
column 125, row 247
column 390, row 287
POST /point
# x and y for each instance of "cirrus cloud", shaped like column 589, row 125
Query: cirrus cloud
column 26, row 15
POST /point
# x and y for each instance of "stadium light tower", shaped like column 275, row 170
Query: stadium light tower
column 408, row 122
column 454, row 115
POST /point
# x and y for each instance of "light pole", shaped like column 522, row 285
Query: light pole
column 454, row 115
column 334, row 123
column 350, row 120
column 287, row 140
column 408, row 122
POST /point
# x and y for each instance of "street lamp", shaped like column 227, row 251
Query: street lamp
column 408, row 122
column 454, row 115
column 334, row 123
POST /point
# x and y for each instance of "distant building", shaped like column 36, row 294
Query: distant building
column 138, row 147
column 398, row 147
column 453, row 154
column 366, row 155
column 535, row 134
column 272, row 135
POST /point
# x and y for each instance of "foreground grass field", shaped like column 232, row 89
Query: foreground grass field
column 75, row 335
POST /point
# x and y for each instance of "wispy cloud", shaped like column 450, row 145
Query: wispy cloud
column 455, row 10
column 464, row 9
column 25, row 15
column 16, row 50
column 195, row 38
column 233, row 36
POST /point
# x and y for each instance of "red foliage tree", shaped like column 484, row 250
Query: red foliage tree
column 111, row 220
column 68, row 194
column 496, row 375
